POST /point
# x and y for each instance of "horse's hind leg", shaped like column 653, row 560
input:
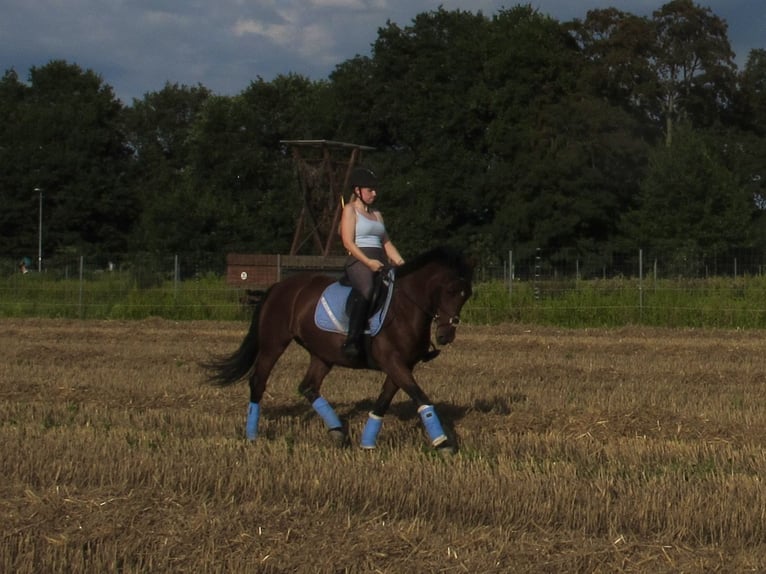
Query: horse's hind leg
column 310, row 388
column 264, row 363
column 375, row 418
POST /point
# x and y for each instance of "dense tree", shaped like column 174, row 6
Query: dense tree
column 563, row 157
column 158, row 131
column 17, row 196
column 159, row 125
column 752, row 94
column 694, row 65
column 676, row 65
column 618, row 48
column 692, row 207
column 353, row 105
column 235, row 188
column 746, row 144
column 66, row 139
column 240, row 160
column 219, row 178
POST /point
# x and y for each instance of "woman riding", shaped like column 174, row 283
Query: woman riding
column 369, row 247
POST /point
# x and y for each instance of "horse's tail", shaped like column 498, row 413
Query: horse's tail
column 228, row 370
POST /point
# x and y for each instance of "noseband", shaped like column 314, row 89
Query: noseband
column 453, row 321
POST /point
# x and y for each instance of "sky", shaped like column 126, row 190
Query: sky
column 137, row 46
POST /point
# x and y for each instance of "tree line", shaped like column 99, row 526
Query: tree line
column 506, row 132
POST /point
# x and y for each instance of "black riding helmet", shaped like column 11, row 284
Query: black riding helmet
column 362, row 177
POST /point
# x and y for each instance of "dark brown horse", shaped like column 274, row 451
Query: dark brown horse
column 431, row 288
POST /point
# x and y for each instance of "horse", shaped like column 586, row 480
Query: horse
column 430, row 288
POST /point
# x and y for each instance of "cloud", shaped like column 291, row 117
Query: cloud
column 309, row 40
column 351, row 4
column 163, row 19
column 279, row 33
column 138, row 45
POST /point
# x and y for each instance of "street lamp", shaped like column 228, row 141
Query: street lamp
column 40, row 233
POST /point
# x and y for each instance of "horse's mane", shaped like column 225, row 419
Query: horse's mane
column 443, row 254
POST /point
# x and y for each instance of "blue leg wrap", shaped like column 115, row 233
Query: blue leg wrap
column 253, row 415
column 432, row 424
column 371, row 430
column 323, row 408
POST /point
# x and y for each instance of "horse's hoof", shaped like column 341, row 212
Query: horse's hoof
column 338, row 437
column 446, row 449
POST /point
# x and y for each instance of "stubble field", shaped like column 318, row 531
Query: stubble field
column 622, row 450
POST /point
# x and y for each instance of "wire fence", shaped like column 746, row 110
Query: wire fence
column 165, row 285
column 631, row 288
column 539, row 264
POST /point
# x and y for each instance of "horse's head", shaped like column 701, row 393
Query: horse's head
column 443, row 276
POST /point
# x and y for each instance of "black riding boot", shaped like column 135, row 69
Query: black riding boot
column 357, row 319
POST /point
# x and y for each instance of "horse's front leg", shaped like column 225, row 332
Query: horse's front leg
column 375, row 418
column 402, row 376
column 310, row 389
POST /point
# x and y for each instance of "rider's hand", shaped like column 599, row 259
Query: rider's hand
column 375, row 265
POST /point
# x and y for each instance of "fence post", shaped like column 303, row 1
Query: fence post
column 175, row 276
column 82, row 265
column 510, row 272
column 641, row 285
column 536, row 289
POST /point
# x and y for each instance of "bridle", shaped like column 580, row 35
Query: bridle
column 452, row 321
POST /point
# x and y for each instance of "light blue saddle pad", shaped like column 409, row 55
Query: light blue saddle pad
column 330, row 313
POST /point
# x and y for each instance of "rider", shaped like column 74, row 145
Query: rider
column 364, row 237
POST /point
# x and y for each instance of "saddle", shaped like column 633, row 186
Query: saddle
column 331, row 313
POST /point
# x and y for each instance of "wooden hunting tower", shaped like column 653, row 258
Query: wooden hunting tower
column 323, row 168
